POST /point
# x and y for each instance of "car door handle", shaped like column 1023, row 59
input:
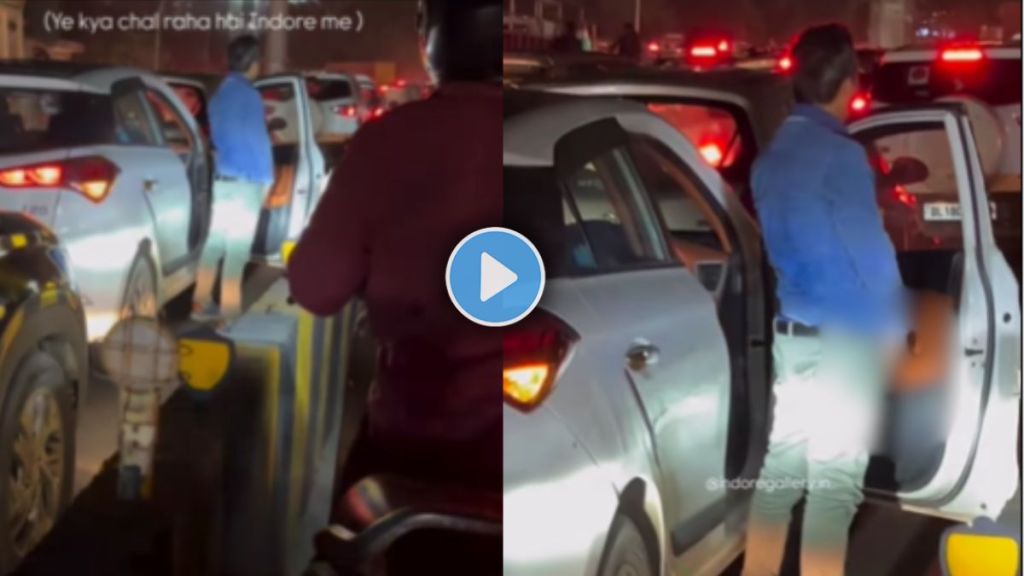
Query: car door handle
column 971, row 352
column 642, row 355
column 150, row 184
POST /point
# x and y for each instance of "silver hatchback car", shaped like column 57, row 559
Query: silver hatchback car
column 637, row 395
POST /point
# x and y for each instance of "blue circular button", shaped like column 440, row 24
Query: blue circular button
column 495, row 277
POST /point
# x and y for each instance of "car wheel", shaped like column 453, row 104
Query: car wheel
column 626, row 552
column 140, row 297
column 37, row 447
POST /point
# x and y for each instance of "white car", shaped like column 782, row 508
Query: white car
column 111, row 161
column 341, row 103
column 636, row 396
column 986, row 78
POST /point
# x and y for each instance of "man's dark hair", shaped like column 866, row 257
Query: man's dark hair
column 243, row 52
column 823, row 58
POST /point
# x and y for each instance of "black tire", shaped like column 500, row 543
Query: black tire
column 41, row 379
column 626, row 553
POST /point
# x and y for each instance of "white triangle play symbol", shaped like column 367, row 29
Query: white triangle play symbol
column 494, row 277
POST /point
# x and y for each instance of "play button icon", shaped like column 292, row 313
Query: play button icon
column 495, row 277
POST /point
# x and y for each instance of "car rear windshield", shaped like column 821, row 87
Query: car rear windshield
column 995, row 81
column 322, row 90
column 33, row 120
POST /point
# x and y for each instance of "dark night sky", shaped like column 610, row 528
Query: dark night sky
column 762, row 19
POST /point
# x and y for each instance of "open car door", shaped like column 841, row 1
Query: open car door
column 953, row 433
column 298, row 164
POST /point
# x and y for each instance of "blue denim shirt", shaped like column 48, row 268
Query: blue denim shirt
column 238, row 130
column 835, row 265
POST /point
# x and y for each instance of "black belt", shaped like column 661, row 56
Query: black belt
column 791, row 328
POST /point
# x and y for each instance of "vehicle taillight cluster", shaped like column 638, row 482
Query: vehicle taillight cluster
column 91, row 176
column 345, row 111
column 534, row 351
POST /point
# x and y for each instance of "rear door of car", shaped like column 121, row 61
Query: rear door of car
column 288, row 117
column 940, row 222
column 654, row 330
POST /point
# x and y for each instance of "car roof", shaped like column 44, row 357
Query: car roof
column 535, row 121
column 71, row 75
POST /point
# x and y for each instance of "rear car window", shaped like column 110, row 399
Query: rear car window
column 323, row 90
column 995, row 81
column 714, row 131
column 39, row 119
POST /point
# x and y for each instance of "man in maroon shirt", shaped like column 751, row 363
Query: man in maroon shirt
column 412, row 184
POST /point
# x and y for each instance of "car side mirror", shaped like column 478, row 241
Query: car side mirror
column 906, row 170
column 277, row 124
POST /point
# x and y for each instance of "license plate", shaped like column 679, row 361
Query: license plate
column 949, row 211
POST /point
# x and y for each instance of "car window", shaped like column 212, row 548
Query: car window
column 674, row 190
column 536, row 206
column 713, row 130
column 132, row 121
column 194, row 100
column 282, row 112
column 920, row 205
column 994, row 81
column 173, row 128
column 369, row 96
column 322, row 90
column 607, row 198
column 39, row 119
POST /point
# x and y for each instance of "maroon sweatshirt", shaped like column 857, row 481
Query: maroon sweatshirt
column 411, row 185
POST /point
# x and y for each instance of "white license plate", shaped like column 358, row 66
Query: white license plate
column 949, row 211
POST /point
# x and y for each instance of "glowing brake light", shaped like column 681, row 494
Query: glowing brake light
column 703, row 51
column 904, row 197
column 91, row 176
column 344, row 111
column 378, row 112
column 723, row 46
column 961, row 55
column 533, row 352
column 785, row 63
column 712, row 153
column 653, row 47
column 859, row 103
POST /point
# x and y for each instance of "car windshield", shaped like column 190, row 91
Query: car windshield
column 33, row 120
column 321, row 89
column 995, row 81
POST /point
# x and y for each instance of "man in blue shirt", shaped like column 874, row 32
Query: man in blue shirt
column 244, row 170
column 840, row 313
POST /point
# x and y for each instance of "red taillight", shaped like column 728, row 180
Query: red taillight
column 378, row 112
column 533, row 352
column 703, row 52
column 712, row 153
column 961, row 55
column 91, row 176
column 860, row 103
column 724, row 46
column 904, row 197
column 653, row 47
column 345, row 111
column 785, row 63
column 400, row 83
